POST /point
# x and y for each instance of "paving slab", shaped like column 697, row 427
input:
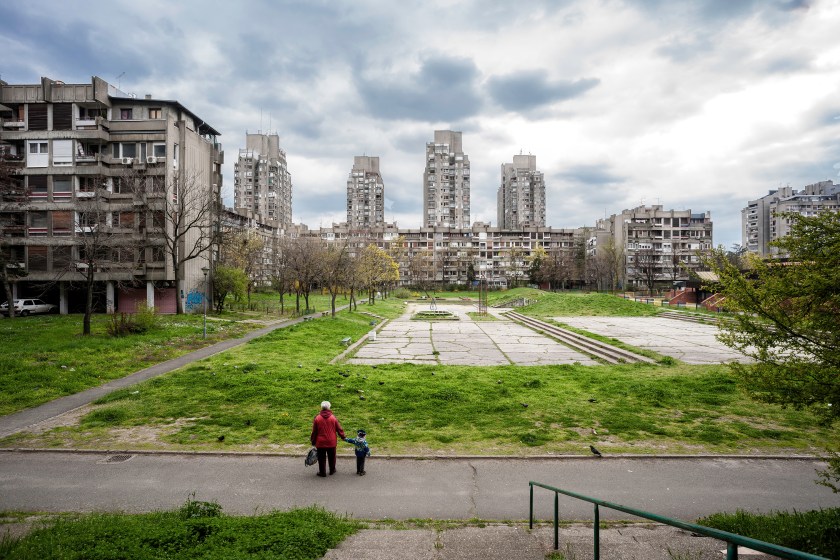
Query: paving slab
column 505, row 541
column 693, row 343
column 463, row 342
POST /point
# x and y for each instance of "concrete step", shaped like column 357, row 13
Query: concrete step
column 637, row 541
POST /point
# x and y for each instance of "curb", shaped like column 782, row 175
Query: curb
column 413, row 457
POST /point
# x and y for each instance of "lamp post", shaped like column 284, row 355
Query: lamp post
column 205, row 270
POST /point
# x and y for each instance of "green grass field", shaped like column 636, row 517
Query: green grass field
column 264, row 394
column 46, row 357
column 196, row 530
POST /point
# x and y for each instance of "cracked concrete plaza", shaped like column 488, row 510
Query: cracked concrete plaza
column 692, row 343
column 504, row 342
column 463, row 342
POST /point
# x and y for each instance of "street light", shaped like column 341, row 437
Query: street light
column 205, row 270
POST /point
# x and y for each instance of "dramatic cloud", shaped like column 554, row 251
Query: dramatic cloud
column 693, row 105
column 528, row 90
column 444, row 89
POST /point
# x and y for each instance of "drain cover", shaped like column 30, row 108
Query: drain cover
column 117, row 459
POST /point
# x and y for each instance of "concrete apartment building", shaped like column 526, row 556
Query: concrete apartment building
column 262, row 183
column 446, row 182
column 365, row 194
column 69, row 144
column 521, row 196
column 666, row 242
column 453, row 255
column 761, row 224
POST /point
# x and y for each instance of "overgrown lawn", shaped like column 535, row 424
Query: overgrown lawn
column 196, row 530
column 264, row 394
column 46, row 357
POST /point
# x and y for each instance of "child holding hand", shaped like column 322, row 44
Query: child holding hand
column 362, row 450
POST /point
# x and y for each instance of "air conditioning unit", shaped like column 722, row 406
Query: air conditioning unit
column 151, row 159
column 127, row 160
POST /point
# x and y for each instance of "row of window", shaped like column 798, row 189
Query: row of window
column 40, row 258
column 68, row 152
column 65, row 222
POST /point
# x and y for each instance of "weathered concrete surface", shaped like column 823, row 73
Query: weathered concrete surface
column 463, row 342
column 693, row 343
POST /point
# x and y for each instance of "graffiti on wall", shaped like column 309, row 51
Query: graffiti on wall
column 195, row 299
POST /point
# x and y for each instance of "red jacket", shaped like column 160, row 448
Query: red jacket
column 324, row 428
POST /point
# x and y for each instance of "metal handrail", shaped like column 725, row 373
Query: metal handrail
column 732, row 540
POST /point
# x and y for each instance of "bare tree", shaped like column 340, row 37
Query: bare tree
column 304, row 265
column 104, row 250
column 645, row 268
column 335, row 267
column 243, row 250
column 183, row 216
column 282, row 278
column 12, row 198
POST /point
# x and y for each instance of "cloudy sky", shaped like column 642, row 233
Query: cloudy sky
column 697, row 105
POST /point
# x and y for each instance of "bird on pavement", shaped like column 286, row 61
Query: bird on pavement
column 595, row 451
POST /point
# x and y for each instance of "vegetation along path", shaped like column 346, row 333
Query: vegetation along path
column 13, row 423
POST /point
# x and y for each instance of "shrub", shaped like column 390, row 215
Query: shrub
column 146, row 317
column 401, row 293
column 122, row 324
column 815, row 532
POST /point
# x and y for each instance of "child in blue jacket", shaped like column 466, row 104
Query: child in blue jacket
column 362, row 450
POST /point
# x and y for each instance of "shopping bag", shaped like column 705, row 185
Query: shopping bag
column 311, row 457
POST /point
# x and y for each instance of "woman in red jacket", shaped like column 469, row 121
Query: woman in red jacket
column 324, row 430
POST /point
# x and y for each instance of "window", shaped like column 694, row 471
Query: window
column 61, row 258
column 62, row 222
column 89, row 113
column 126, row 114
column 123, row 219
column 87, row 184
column 62, row 152
column 37, row 258
column 38, row 186
column 124, row 149
column 159, row 150
column 155, row 113
column 38, row 223
column 39, row 151
column 62, row 188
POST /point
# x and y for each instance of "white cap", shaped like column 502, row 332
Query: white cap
column 325, row 405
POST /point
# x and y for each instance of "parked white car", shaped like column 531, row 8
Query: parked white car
column 24, row 307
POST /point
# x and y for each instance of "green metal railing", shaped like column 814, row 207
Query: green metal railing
column 732, row 540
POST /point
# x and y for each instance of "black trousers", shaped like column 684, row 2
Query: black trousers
column 360, row 463
column 324, row 454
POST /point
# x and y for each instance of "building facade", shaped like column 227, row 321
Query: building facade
column 762, row 223
column 654, row 244
column 446, row 182
column 262, row 182
column 365, row 194
column 521, row 195
column 85, row 161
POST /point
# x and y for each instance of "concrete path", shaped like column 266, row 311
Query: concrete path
column 491, row 489
column 634, row 542
column 693, row 343
column 463, row 342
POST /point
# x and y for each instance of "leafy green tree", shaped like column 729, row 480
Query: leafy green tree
column 787, row 318
column 228, row 280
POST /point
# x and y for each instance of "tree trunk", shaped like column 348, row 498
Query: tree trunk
column 7, row 286
column 333, row 294
column 88, row 301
